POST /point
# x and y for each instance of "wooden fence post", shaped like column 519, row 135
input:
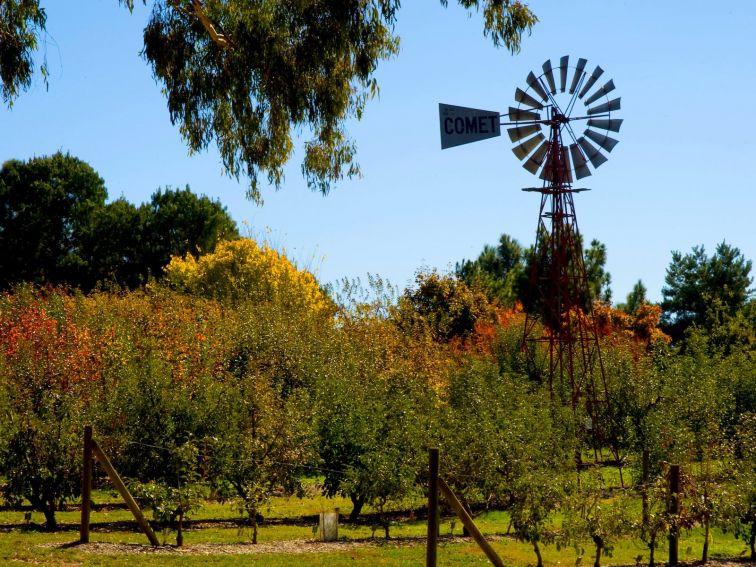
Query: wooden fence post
column 125, row 494
column 674, row 510
column 433, row 519
column 467, row 521
column 86, row 486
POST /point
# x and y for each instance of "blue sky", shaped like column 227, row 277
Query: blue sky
column 681, row 175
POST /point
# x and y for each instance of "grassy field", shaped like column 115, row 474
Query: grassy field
column 286, row 538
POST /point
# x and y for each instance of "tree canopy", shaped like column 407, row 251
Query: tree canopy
column 46, row 213
column 56, row 228
column 701, row 289
column 244, row 75
column 499, row 271
column 503, row 272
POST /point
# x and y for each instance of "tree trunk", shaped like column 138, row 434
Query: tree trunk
column 705, row 554
column 466, row 506
column 645, row 516
column 252, row 513
column 599, row 548
column 752, row 543
column 51, row 523
column 179, row 530
column 357, row 503
column 538, row 554
column 651, row 550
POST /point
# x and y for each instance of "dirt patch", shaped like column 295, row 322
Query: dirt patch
column 289, row 546
column 301, row 546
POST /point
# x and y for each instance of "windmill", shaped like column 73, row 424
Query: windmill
column 560, row 125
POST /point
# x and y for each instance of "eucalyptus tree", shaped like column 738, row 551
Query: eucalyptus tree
column 246, row 75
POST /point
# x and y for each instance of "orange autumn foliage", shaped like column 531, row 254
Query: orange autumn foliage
column 486, row 332
column 47, row 352
column 641, row 326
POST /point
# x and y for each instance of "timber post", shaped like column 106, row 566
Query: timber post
column 431, row 558
column 673, row 508
column 86, row 486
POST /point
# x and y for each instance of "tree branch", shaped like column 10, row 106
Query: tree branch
column 220, row 39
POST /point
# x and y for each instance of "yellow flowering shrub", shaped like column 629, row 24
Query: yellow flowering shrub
column 242, row 269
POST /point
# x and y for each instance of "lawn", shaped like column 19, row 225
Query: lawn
column 286, row 537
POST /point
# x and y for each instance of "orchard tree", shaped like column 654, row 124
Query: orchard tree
column 245, row 75
column 699, row 286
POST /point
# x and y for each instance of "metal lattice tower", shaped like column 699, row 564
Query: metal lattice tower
column 560, row 335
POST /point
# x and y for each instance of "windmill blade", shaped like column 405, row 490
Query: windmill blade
column 519, row 132
column 563, row 64
column 579, row 72
column 566, row 169
column 526, row 99
column 579, row 162
column 596, row 157
column 536, row 159
column 602, row 140
column 517, row 115
column 612, row 124
column 567, row 173
column 528, row 146
column 597, row 72
column 535, row 84
column 547, row 173
column 610, row 106
column 549, row 74
column 607, row 88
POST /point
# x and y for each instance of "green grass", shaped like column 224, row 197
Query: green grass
column 24, row 546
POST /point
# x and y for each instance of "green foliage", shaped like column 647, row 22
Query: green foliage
column 702, row 291
column 590, row 516
column 599, row 279
column 738, row 505
column 635, row 298
column 245, row 76
column 47, row 206
column 173, row 499
column 444, row 305
column 394, row 429
column 499, row 272
column 114, row 247
column 55, row 227
column 21, row 24
column 509, row 274
column 178, row 222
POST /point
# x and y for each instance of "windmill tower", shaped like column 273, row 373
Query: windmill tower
column 560, row 336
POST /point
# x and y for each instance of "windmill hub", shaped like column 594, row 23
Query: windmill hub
column 560, row 118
